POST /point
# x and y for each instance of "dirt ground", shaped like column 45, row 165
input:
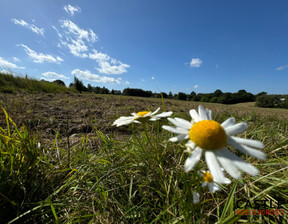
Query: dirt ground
column 71, row 115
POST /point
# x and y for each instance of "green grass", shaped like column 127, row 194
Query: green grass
column 12, row 84
column 136, row 178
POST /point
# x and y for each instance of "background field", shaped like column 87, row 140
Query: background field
column 70, row 165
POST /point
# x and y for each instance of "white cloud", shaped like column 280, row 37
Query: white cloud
column 75, row 38
column 49, row 80
column 108, row 65
column 107, row 68
column 6, row 72
column 79, row 33
column 195, row 62
column 6, row 64
column 142, row 80
column 54, row 75
column 87, row 75
column 29, row 26
column 77, row 47
column 196, row 86
column 153, row 77
column 40, row 57
column 281, row 67
column 16, row 59
column 127, row 83
column 99, row 56
column 71, row 9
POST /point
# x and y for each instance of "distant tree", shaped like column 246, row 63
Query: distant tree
column 89, row 88
column 225, row 98
column 191, row 96
column 59, row 82
column 214, row 99
column 261, row 94
column 170, row 95
column 164, row 95
column 137, row 92
column 182, row 96
column 79, row 86
column 217, row 93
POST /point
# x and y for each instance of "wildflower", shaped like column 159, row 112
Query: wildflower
column 212, row 186
column 207, row 135
column 141, row 117
column 196, row 197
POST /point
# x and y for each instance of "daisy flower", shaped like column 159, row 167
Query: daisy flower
column 142, row 116
column 207, row 135
column 208, row 181
column 196, row 197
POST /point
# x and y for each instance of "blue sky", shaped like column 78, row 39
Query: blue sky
column 154, row 45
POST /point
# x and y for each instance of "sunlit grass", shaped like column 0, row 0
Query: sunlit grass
column 12, row 84
column 136, row 178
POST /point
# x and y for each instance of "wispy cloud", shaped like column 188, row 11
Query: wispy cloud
column 153, row 78
column 87, row 75
column 8, row 65
column 4, row 71
column 40, row 57
column 29, row 26
column 281, row 67
column 107, row 68
column 75, row 38
column 79, row 33
column 78, row 41
column 108, row 65
column 16, row 59
column 195, row 62
column 196, row 86
column 71, row 9
column 54, row 75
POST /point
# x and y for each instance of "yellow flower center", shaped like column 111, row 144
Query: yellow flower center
column 142, row 113
column 207, row 177
column 208, row 135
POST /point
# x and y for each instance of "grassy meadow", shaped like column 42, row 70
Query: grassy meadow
column 63, row 162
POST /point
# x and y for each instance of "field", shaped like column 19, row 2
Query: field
column 62, row 161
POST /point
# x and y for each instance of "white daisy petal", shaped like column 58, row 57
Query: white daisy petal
column 196, row 197
column 190, row 144
column 249, row 142
column 213, row 187
column 183, row 123
column 229, row 122
column 164, row 114
column 175, row 130
column 225, row 161
column 240, row 163
column 177, row 138
column 202, row 113
column 214, row 167
column 209, row 114
column 123, row 121
column 193, row 159
column 153, row 112
column 194, row 115
column 236, row 129
column 247, row 150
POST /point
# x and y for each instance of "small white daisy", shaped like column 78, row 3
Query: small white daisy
column 208, row 135
column 208, row 181
column 142, row 116
column 196, row 197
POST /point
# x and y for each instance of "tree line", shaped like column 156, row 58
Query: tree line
column 262, row 99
